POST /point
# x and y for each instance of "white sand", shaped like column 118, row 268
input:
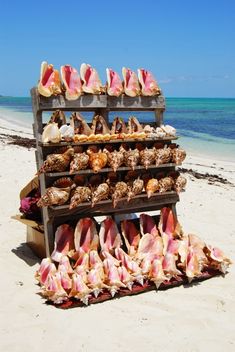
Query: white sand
column 200, row 317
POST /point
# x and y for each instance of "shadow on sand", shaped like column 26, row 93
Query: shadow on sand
column 24, row 252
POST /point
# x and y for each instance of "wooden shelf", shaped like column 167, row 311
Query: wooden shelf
column 89, row 102
column 108, row 169
column 138, row 203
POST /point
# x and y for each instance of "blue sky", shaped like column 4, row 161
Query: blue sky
column 188, row 45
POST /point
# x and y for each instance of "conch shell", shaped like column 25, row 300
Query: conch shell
column 115, row 159
column 64, row 242
column 118, row 127
column 98, row 161
column 81, row 194
column 169, row 130
column 51, row 133
column 91, row 80
column 134, row 125
column 178, row 155
column 78, row 123
column 135, row 189
column 71, row 81
column 163, row 156
column 114, row 83
column 67, row 133
column 152, row 187
column 57, row 162
column 58, row 117
column 131, row 236
column 54, row 196
column 131, row 158
column 131, row 83
column 85, row 236
column 166, row 184
column 120, row 191
column 101, row 193
column 99, row 125
column 180, row 183
column 148, row 83
column 80, row 162
column 49, row 83
column 147, row 157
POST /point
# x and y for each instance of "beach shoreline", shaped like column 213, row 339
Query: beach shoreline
column 186, row 318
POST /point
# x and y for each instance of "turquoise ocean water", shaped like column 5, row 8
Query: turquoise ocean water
column 206, row 126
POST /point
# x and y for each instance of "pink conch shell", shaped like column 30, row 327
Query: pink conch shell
column 65, row 279
column 217, row 259
column 64, row 242
column 64, row 264
column 130, row 264
column 148, row 83
column 71, row 81
column 95, row 282
column 114, row 83
column 169, row 266
column 193, row 266
column 147, row 225
column 109, row 235
column 53, row 289
column 156, row 273
column 112, row 277
column 46, row 267
column 79, row 289
column 82, row 264
column 168, row 223
column 49, row 83
column 126, row 277
column 131, row 83
column 85, row 235
column 91, row 80
column 131, row 236
column 150, row 246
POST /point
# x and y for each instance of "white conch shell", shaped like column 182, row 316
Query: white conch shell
column 51, row 133
column 160, row 133
column 67, row 132
column 170, row 131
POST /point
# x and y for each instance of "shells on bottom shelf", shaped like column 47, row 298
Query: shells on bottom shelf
column 96, row 264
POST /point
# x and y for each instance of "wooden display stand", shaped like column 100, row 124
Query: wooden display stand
column 53, row 216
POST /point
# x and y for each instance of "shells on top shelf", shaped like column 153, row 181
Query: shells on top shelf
column 71, row 81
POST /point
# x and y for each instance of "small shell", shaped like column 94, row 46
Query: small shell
column 67, row 132
column 115, row 159
column 81, row 194
column 101, row 193
column 169, row 130
column 163, row 156
column 136, row 189
column 51, row 133
column 152, row 187
column 54, row 196
column 160, row 133
column 120, row 191
column 57, row 162
column 147, row 157
column 63, row 182
column 131, row 158
column 178, row 155
column 166, row 184
column 180, row 183
column 80, row 162
column 98, row 161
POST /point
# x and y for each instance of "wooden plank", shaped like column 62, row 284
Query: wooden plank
column 136, row 103
column 145, row 140
column 137, row 289
column 138, row 203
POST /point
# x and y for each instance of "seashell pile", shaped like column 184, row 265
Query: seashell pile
column 73, row 85
column 87, row 262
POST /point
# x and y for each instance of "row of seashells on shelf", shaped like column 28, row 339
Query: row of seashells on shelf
column 74, row 85
column 90, row 259
column 76, row 159
column 94, row 189
column 78, row 130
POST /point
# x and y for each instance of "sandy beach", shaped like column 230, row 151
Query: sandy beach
column 197, row 317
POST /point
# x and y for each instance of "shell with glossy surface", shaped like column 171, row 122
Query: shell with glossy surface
column 54, row 196
column 81, row 194
column 80, row 162
column 51, row 133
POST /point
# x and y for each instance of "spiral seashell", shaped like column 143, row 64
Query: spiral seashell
column 152, row 187
column 101, row 193
column 180, row 183
column 98, row 161
column 51, row 133
column 178, row 155
column 80, row 162
column 131, row 158
column 166, row 184
column 57, row 162
column 81, row 194
column 147, row 157
column 163, row 156
column 120, row 191
column 115, row 159
column 54, row 196
column 136, row 189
